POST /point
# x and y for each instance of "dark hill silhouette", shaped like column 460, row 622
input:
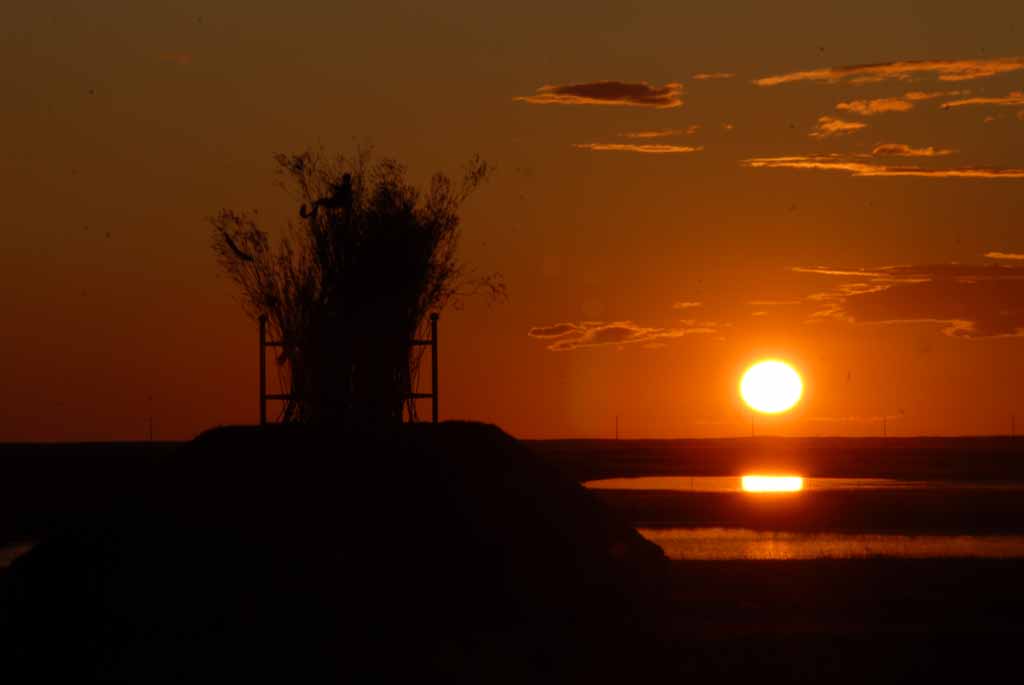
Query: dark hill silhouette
column 297, row 554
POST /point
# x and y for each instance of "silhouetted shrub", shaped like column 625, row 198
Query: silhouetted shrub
column 353, row 282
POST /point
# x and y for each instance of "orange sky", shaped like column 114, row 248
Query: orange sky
column 680, row 191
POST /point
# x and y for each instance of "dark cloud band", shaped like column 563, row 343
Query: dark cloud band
column 569, row 336
column 617, row 93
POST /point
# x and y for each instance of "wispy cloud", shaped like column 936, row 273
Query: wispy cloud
column 649, row 148
column 944, row 70
column 711, row 75
column 856, row 168
column 830, row 126
column 556, row 331
column 968, row 301
column 919, row 95
column 878, row 106
column 660, row 133
column 828, row 271
column 616, row 93
column 570, row 336
column 773, row 303
column 1005, row 255
column 1014, row 99
column 901, row 150
column 686, row 305
column 902, row 103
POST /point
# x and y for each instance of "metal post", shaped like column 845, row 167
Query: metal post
column 433, row 366
column 263, row 370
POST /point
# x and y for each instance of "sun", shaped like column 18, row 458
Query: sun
column 771, row 386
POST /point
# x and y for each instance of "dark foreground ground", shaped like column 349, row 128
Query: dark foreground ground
column 458, row 556
column 890, row 620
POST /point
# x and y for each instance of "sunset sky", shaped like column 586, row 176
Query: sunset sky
column 680, row 191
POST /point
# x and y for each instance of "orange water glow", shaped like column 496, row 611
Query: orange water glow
column 755, row 483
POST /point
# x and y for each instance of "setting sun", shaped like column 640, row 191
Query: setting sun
column 772, row 483
column 771, row 387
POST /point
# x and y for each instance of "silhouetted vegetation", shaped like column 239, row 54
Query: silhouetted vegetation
column 352, row 283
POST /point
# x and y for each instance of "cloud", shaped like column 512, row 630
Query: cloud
column 773, row 303
column 556, row 331
column 830, row 126
column 569, row 336
column 944, row 70
column 901, row 103
column 870, row 107
column 855, row 168
column 650, row 148
column 1014, row 99
column 827, row 271
column 707, row 76
column 1004, row 255
column 609, row 93
column 968, row 301
column 661, row 133
column 918, row 95
column 901, row 150
column 686, row 305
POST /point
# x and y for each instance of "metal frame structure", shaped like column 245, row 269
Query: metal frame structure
column 432, row 395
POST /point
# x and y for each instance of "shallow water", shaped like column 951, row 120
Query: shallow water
column 740, row 543
column 732, row 484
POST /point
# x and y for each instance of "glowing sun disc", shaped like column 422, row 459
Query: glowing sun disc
column 772, row 483
column 771, row 387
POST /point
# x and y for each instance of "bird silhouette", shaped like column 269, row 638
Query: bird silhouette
column 341, row 198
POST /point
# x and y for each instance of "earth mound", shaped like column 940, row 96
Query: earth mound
column 441, row 551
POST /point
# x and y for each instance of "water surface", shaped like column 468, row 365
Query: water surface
column 733, row 484
column 741, row 543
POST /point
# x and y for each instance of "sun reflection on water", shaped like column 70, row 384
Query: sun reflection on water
column 757, row 483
